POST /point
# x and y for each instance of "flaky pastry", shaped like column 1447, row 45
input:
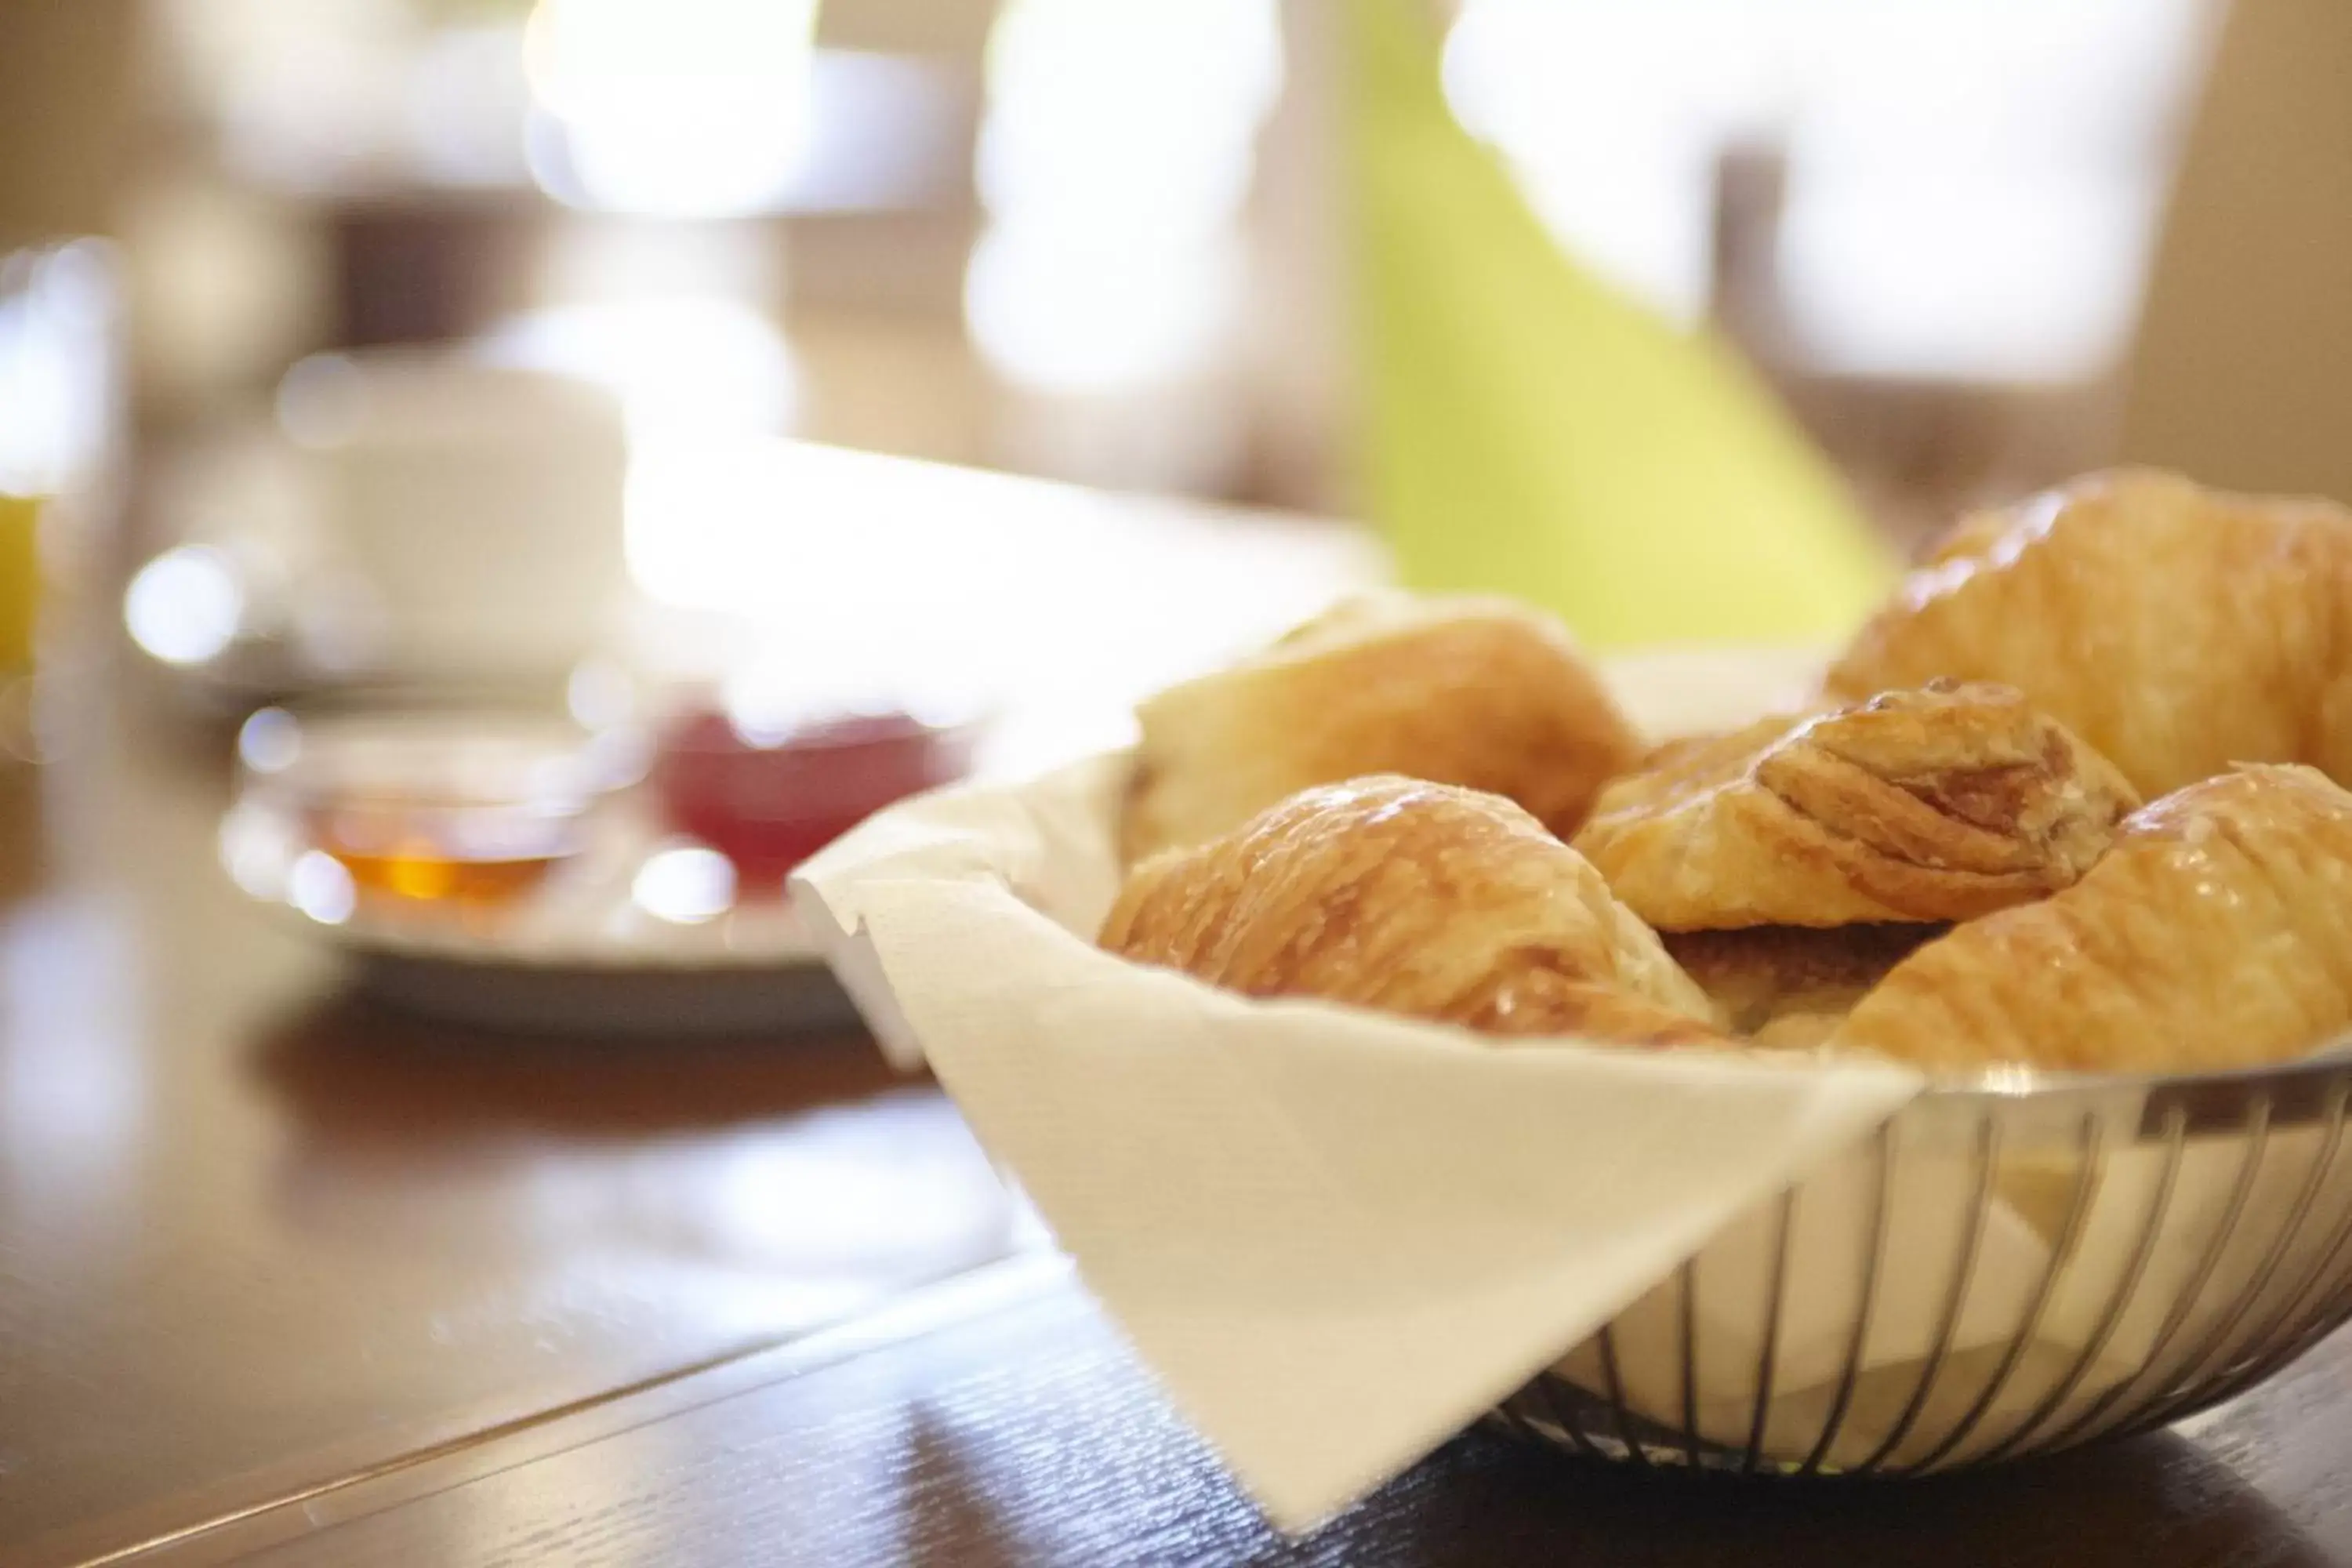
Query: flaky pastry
column 1931, row 805
column 1478, row 692
column 2217, row 932
column 1414, row 898
column 2177, row 629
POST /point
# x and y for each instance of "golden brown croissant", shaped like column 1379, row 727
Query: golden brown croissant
column 1788, row 985
column 1476, row 692
column 2217, row 932
column 2176, row 629
column 1418, row 898
column 1930, row 805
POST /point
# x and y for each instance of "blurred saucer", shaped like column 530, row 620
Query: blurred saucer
column 792, row 998
column 637, row 935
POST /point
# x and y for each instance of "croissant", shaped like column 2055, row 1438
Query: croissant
column 2217, row 932
column 1476, row 692
column 1932, row 805
column 2176, row 629
column 1416, row 898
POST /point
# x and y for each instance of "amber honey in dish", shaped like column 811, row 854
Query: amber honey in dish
column 418, row 873
column 421, row 850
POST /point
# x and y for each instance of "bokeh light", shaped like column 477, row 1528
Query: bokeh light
column 672, row 107
column 1115, row 155
column 685, row 884
column 184, row 606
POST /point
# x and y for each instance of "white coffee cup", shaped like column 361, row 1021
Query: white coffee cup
column 478, row 508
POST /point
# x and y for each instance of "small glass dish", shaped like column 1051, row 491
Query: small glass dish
column 421, row 811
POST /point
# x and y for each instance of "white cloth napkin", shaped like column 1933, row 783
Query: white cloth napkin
column 1335, row 1237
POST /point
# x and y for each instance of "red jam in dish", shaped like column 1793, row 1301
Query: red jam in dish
column 769, row 802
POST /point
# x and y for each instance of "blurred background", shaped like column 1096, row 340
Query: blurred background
column 1973, row 249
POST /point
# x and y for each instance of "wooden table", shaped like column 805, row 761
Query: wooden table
column 998, row 1421
column 283, row 1275
column 255, row 1236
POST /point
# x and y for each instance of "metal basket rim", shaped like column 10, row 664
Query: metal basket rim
column 2003, row 1084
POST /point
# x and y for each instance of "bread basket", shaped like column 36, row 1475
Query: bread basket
column 2199, row 1233
column 1839, row 1269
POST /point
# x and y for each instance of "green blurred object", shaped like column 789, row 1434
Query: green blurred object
column 1532, row 431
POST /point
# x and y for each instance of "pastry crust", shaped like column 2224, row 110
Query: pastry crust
column 1417, row 899
column 2216, row 933
column 1788, row 985
column 2177, row 629
column 1478, row 692
column 1932, row 805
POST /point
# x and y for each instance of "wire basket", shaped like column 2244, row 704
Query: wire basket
column 2011, row 1267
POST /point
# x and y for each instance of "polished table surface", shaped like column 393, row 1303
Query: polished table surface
column 998, row 1421
column 256, row 1234
column 289, row 1277
column 285, row 1275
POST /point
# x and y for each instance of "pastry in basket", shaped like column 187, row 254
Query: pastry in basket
column 1476, row 692
column 1931, row 805
column 2217, row 932
column 2177, row 629
column 1788, row 986
column 1414, row 898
